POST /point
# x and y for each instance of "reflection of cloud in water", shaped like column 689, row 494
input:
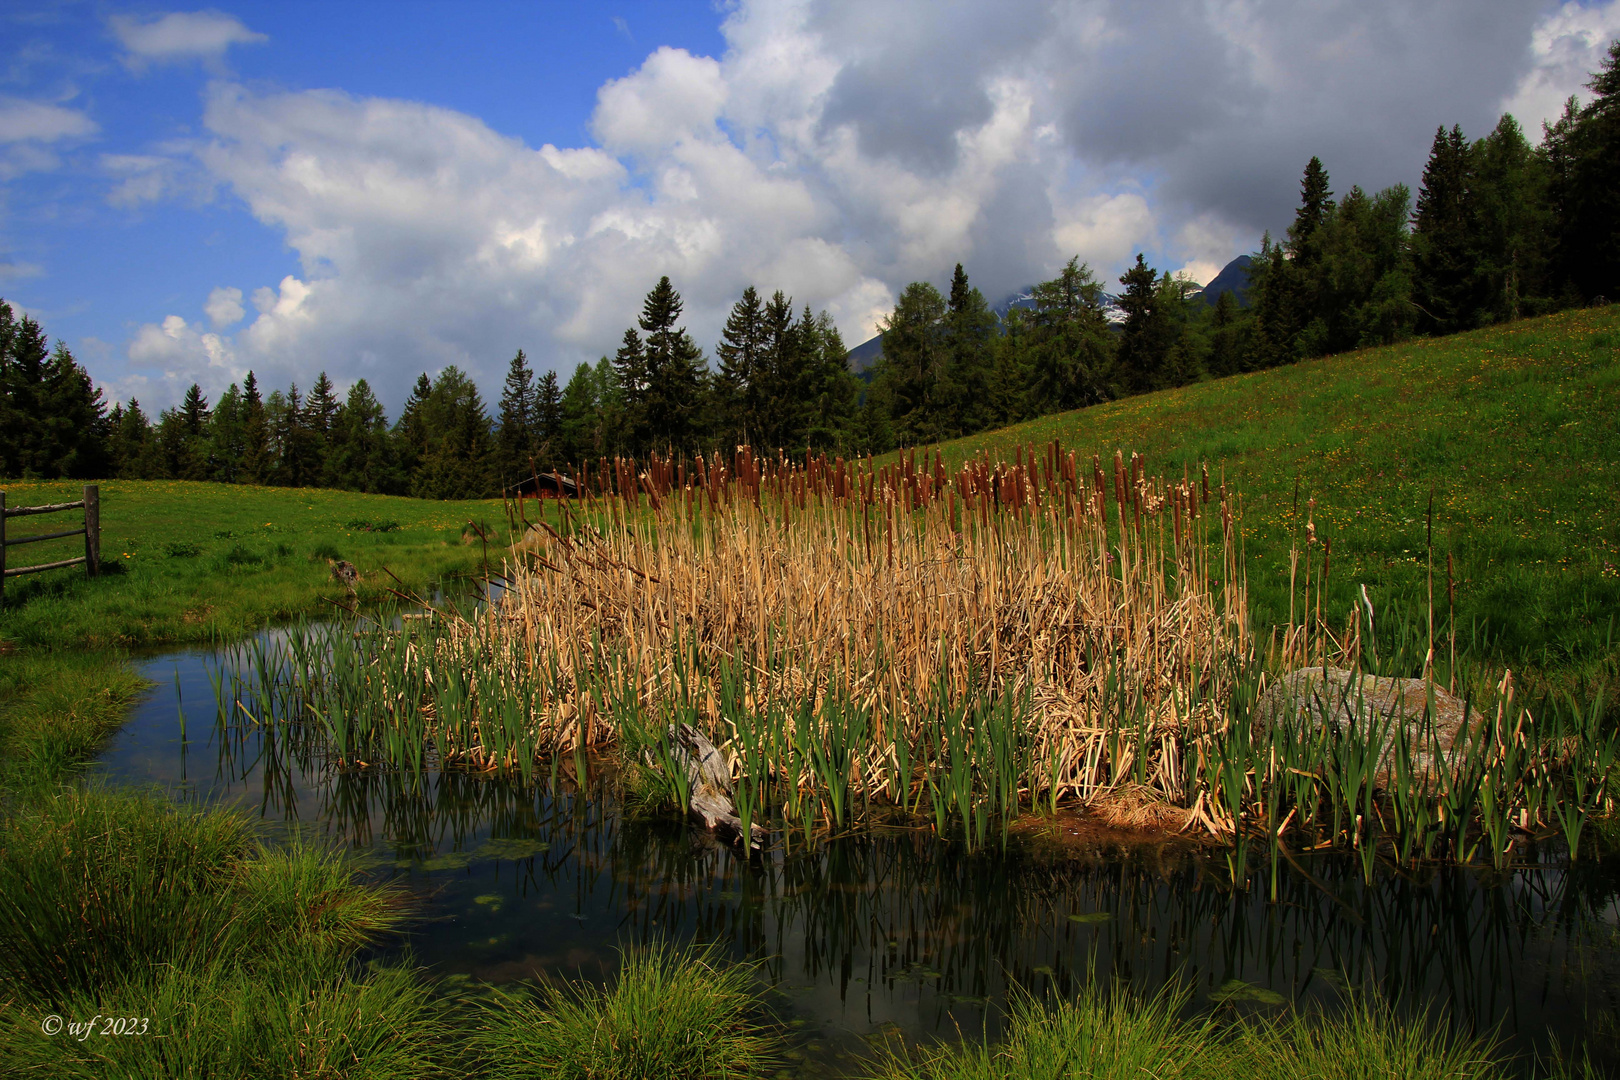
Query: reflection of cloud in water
column 893, row 929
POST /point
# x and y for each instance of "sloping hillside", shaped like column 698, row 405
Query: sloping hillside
column 1516, row 429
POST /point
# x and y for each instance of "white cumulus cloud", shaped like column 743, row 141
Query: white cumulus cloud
column 179, row 35
column 224, row 307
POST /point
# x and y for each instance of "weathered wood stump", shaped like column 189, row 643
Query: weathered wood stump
column 709, row 783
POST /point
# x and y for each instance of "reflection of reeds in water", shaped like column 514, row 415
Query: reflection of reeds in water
column 959, row 645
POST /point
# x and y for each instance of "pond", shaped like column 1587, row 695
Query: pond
column 892, row 930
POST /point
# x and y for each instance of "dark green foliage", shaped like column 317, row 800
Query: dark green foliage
column 548, row 420
column 739, row 385
column 1149, row 332
column 518, row 437
column 1590, row 195
column 914, row 363
column 361, row 454
column 663, row 378
column 1442, row 238
column 455, row 460
column 53, row 421
column 1066, row 345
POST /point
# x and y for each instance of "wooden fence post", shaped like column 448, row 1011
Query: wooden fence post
column 2, row 547
column 92, row 530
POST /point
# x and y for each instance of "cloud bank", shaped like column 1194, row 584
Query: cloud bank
column 837, row 150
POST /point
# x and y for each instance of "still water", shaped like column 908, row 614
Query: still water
column 893, row 931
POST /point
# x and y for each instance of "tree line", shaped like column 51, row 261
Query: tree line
column 1500, row 230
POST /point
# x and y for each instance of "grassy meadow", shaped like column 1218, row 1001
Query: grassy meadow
column 187, row 561
column 1514, row 430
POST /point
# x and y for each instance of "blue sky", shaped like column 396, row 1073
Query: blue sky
column 379, row 189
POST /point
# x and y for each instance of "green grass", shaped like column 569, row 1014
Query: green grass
column 672, row 1015
column 1122, row 1036
column 236, row 959
column 1513, row 427
column 190, row 562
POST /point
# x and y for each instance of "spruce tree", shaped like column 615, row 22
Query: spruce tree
column 970, row 329
column 1591, row 252
column 23, row 449
column 256, row 464
column 457, row 463
column 226, row 437
column 361, row 451
column 675, row 375
column 580, row 424
column 914, row 361
column 1148, row 333
column 548, row 422
column 741, row 352
column 1063, row 350
column 131, row 444
column 1443, row 238
column 831, row 390
column 630, row 375
column 73, row 421
column 777, row 396
column 517, row 442
column 410, row 431
column 189, row 458
column 1513, row 232
column 1315, row 205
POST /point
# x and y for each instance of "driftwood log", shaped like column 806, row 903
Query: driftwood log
column 709, row 783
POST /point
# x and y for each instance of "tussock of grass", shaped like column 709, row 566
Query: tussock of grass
column 672, row 1015
column 55, row 708
column 240, row 958
column 1102, row 1036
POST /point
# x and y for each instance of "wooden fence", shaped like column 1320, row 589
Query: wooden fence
column 90, row 530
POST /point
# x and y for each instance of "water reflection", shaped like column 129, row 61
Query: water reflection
column 892, row 927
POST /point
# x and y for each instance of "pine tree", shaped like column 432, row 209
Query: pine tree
column 1513, row 234
column 1591, row 252
column 1442, row 238
column 741, row 352
column 675, row 375
column 970, row 330
column 1277, row 308
column 831, row 390
column 778, row 403
column 361, row 452
column 517, row 442
column 580, row 425
column 410, row 431
column 256, row 464
column 548, row 421
column 227, row 443
column 1315, row 206
column 457, row 463
column 914, row 361
column 1148, row 333
column 630, row 375
column 132, row 445
column 73, row 421
column 23, row 450
column 188, row 456
column 1063, row 350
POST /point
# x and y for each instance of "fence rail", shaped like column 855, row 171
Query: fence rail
column 90, row 530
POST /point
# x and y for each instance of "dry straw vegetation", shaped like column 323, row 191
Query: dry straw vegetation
column 958, row 645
